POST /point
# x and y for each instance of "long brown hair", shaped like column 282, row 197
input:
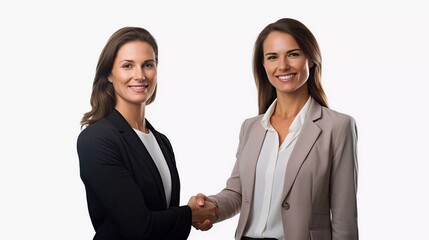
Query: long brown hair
column 103, row 98
column 307, row 42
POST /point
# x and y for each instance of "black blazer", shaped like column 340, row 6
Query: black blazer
column 125, row 194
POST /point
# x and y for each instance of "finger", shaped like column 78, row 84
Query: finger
column 192, row 201
column 201, row 198
column 205, row 225
column 196, row 225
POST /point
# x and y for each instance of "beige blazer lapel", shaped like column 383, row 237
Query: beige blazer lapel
column 306, row 139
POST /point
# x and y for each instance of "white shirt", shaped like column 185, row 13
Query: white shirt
column 265, row 216
column 155, row 152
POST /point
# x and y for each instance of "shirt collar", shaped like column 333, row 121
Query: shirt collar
column 297, row 122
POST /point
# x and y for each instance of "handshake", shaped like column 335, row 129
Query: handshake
column 204, row 212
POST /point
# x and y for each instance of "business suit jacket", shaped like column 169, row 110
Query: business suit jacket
column 124, row 189
column 320, row 183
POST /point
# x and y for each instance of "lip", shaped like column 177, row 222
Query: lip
column 139, row 88
column 286, row 77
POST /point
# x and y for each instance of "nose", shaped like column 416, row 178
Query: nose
column 139, row 74
column 284, row 64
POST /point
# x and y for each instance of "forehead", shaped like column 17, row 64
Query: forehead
column 279, row 41
column 135, row 49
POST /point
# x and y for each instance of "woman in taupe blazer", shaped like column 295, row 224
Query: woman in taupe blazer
column 295, row 176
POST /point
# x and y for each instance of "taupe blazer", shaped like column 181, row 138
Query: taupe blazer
column 320, row 184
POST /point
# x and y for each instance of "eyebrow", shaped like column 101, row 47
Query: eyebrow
column 292, row 50
column 128, row 60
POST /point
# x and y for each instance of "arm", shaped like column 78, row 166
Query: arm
column 344, row 183
column 114, row 196
column 228, row 201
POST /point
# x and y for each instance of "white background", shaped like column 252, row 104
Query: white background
column 375, row 62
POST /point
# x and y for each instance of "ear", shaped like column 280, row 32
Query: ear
column 311, row 64
column 109, row 79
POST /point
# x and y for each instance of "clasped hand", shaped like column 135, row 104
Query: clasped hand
column 204, row 212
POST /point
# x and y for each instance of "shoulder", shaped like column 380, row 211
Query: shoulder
column 336, row 121
column 99, row 127
column 251, row 127
column 335, row 116
column 252, row 122
column 101, row 130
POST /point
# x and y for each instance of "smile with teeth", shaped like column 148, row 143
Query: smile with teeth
column 139, row 87
column 286, row 77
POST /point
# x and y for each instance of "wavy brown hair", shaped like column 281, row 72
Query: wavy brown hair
column 307, row 42
column 103, row 99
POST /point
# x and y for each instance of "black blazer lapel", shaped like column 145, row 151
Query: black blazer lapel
column 133, row 140
column 167, row 151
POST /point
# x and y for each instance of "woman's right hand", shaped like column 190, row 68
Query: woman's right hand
column 204, row 212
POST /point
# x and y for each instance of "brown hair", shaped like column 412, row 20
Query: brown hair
column 307, row 42
column 103, row 98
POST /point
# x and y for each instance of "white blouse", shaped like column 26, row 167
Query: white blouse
column 155, row 152
column 265, row 216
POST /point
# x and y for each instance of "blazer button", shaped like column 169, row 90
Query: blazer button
column 286, row 205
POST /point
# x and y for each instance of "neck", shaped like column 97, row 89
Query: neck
column 134, row 115
column 288, row 106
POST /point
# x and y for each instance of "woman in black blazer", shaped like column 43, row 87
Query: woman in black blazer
column 128, row 168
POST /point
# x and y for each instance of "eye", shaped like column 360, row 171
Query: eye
column 293, row 54
column 149, row 65
column 271, row 57
column 127, row 65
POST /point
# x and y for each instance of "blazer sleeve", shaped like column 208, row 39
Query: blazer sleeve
column 107, row 181
column 229, row 199
column 344, row 182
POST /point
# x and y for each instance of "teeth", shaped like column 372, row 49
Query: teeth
column 139, row 87
column 285, row 77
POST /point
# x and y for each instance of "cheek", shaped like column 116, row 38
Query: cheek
column 305, row 70
column 152, row 76
column 269, row 70
column 117, row 77
column 116, row 86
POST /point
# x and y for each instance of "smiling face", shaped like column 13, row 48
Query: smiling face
column 285, row 64
column 134, row 74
